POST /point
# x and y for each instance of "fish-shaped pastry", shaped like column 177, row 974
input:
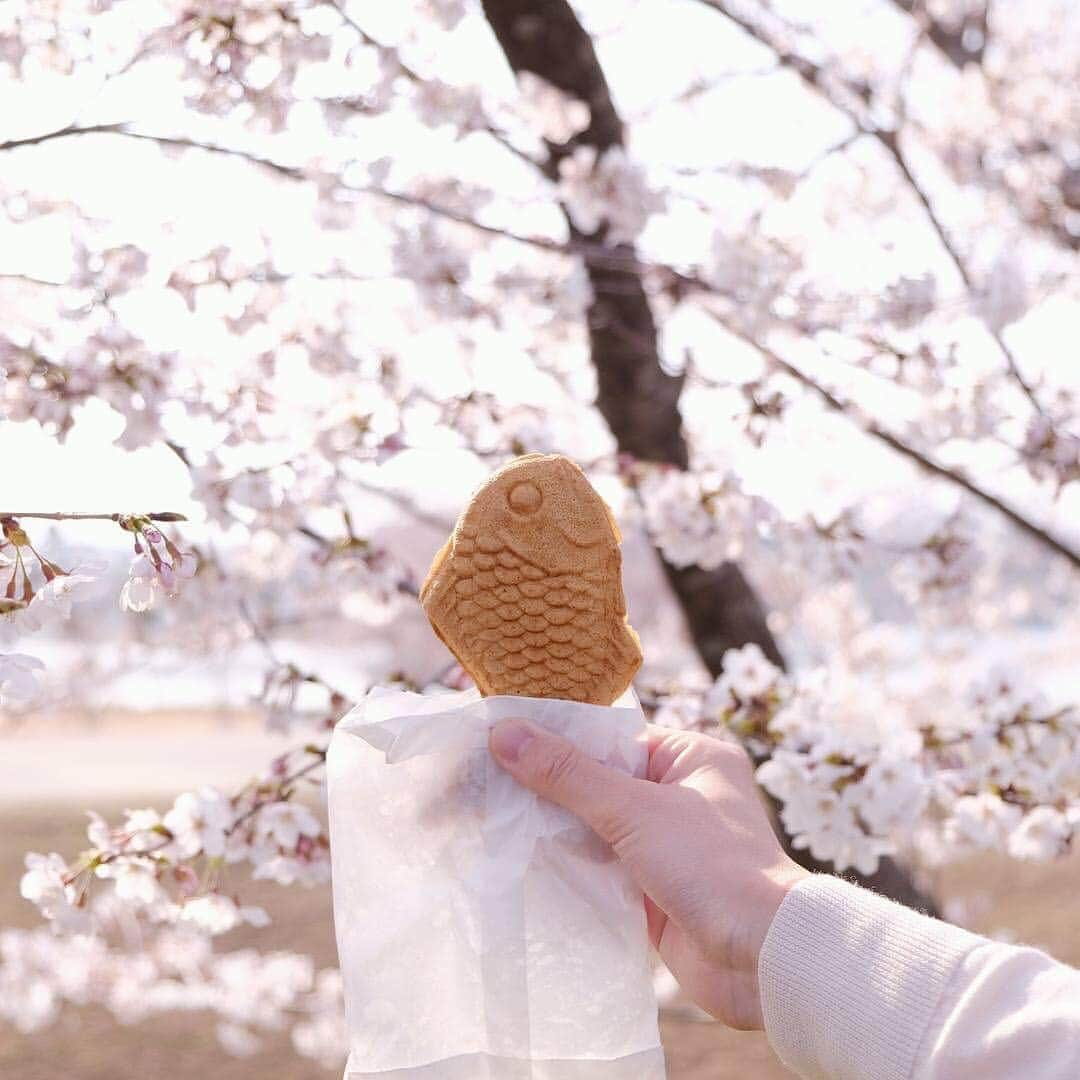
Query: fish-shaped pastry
column 527, row 592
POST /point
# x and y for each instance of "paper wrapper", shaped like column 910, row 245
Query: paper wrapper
column 483, row 933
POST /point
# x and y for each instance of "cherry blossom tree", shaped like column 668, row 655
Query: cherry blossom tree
column 727, row 254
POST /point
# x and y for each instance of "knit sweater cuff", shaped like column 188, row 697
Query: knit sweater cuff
column 850, row 982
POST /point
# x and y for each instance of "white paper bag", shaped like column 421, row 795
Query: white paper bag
column 483, row 933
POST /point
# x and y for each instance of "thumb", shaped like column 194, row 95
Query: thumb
column 604, row 798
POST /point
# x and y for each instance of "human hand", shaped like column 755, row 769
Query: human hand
column 694, row 836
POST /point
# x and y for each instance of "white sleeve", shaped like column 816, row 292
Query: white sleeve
column 855, row 987
column 1010, row 1013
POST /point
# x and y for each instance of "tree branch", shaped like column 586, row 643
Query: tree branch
column 815, row 77
column 415, row 77
column 617, row 258
column 164, row 516
column 924, row 461
column 634, row 397
column 61, row 133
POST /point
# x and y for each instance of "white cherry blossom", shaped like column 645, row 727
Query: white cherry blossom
column 981, row 822
column 609, row 192
column 747, row 672
column 48, row 884
column 18, row 677
column 198, row 822
column 1041, row 835
column 284, row 823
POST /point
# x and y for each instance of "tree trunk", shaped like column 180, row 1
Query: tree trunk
column 638, row 399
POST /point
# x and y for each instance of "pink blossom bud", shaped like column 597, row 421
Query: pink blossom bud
column 391, row 445
column 152, row 534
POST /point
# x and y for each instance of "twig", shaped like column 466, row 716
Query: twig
column 62, row 133
column 417, row 79
column 318, row 754
column 29, row 279
column 165, row 516
column 598, row 252
column 403, row 503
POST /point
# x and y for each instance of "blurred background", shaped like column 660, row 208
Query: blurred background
column 797, row 288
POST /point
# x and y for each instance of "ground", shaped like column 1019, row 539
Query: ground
column 1036, row 903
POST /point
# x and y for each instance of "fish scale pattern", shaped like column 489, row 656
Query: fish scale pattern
column 531, row 631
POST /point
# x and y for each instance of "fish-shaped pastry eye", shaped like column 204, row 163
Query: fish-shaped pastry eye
column 525, row 498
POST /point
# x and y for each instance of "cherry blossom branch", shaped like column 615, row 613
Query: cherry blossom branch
column 814, row 77
column 602, row 253
column 872, row 428
column 417, row 79
column 164, row 516
column 623, row 259
column 338, row 698
column 318, row 756
column 890, row 140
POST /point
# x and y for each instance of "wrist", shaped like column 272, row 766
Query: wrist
column 777, row 882
column 740, row 953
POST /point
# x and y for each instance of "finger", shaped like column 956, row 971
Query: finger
column 604, row 798
column 674, row 753
column 666, row 745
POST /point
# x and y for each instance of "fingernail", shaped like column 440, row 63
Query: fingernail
column 509, row 738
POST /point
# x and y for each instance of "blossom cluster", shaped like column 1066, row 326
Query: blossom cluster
column 855, row 779
column 250, row 994
column 699, row 519
column 704, row 518
column 1008, row 773
column 846, row 787
column 942, row 565
column 38, row 589
column 557, row 116
column 158, row 568
column 1051, row 451
column 607, row 192
column 40, row 592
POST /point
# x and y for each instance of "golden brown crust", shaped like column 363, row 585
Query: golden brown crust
column 527, row 592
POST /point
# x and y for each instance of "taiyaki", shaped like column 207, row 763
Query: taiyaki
column 527, row 592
